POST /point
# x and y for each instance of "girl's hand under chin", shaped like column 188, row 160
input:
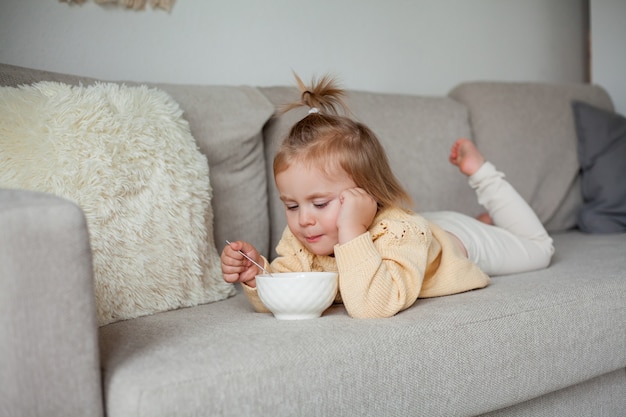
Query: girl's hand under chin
column 356, row 213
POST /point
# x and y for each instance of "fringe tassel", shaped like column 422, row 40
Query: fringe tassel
column 131, row 4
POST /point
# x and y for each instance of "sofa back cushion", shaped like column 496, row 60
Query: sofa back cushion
column 417, row 133
column 527, row 130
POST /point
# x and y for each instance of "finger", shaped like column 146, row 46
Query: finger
column 231, row 278
column 230, row 261
column 239, row 273
column 235, row 246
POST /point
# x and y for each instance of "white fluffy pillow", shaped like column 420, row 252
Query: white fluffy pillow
column 126, row 156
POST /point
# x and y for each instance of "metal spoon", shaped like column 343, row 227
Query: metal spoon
column 251, row 260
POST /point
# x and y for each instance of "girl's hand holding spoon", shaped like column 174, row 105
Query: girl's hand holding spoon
column 241, row 263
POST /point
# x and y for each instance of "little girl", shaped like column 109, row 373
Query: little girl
column 347, row 212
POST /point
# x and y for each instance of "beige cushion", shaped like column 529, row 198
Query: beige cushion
column 126, row 156
column 227, row 123
column 527, row 131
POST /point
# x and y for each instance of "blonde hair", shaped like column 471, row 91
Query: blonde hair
column 328, row 140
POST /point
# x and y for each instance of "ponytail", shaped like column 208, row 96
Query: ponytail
column 322, row 97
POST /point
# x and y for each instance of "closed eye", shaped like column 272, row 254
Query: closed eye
column 320, row 205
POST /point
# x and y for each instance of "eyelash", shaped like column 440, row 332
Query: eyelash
column 317, row 206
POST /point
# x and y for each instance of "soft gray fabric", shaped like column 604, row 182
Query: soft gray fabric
column 49, row 363
column 520, row 338
column 417, row 134
column 602, row 157
column 527, row 131
column 11, row 75
column 273, row 134
column 226, row 123
column 601, row 396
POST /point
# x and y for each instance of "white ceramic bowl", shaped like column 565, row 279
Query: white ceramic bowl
column 297, row 295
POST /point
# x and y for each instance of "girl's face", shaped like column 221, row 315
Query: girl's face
column 312, row 204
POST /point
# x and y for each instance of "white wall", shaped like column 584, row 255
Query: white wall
column 413, row 46
column 608, row 48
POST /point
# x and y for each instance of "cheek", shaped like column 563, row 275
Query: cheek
column 292, row 219
column 329, row 219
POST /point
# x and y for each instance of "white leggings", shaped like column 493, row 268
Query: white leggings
column 517, row 242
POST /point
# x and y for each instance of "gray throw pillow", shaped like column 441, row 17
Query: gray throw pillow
column 602, row 157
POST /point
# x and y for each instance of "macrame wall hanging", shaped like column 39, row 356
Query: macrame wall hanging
column 131, row 4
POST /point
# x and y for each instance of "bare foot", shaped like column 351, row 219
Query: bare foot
column 485, row 218
column 466, row 156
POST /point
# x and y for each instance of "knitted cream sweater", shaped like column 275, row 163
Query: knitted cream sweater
column 400, row 258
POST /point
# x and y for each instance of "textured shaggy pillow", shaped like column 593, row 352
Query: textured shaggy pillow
column 126, row 156
column 602, row 157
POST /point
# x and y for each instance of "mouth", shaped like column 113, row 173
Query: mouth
column 313, row 239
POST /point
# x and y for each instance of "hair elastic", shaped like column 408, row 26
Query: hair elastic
column 314, row 110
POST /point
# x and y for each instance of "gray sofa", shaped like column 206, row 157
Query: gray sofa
column 544, row 343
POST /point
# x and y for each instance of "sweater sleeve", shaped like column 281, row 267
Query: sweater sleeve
column 381, row 272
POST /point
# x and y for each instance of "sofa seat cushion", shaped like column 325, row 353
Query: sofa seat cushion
column 524, row 336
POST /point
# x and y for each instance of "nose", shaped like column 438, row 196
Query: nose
column 305, row 217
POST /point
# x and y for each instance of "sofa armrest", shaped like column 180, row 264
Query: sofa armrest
column 49, row 357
